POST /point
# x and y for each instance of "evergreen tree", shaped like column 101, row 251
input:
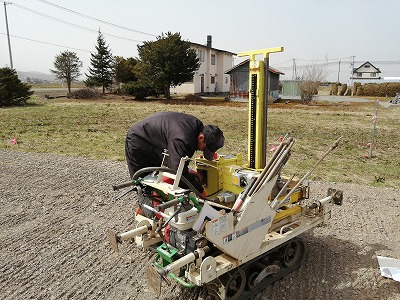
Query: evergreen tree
column 12, row 90
column 102, row 62
column 124, row 69
column 167, row 61
column 67, row 65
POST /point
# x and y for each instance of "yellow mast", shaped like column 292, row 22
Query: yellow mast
column 258, row 104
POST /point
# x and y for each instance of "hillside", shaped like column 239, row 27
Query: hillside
column 35, row 76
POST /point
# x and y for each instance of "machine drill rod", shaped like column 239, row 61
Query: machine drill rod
column 334, row 145
column 280, row 153
column 265, row 170
column 275, row 166
column 275, row 202
column 279, row 163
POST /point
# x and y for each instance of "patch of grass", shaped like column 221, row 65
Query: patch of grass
column 97, row 128
column 75, row 84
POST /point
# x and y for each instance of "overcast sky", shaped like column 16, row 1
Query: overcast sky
column 311, row 31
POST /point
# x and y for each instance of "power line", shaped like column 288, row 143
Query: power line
column 284, row 62
column 386, row 62
column 326, row 59
column 32, row 40
column 392, row 63
column 69, row 23
column 92, row 18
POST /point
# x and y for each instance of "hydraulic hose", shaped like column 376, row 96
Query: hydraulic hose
column 152, row 169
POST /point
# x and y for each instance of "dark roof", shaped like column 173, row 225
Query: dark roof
column 367, row 62
column 272, row 70
column 205, row 46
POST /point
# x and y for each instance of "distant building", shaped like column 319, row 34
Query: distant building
column 366, row 72
column 210, row 78
column 239, row 89
column 290, row 88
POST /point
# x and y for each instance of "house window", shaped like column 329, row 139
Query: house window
column 226, row 80
column 373, row 74
column 213, row 59
column 200, row 55
column 212, row 79
column 367, row 66
column 359, row 74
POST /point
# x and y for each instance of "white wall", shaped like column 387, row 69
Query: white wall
column 227, row 63
column 185, row 88
column 223, row 62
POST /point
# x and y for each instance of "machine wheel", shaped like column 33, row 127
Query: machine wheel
column 239, row 283
column 235, row 284
column 252, row 273
column 293, row 253
column 278, row 263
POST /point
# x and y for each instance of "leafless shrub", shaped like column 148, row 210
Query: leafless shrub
column 343, row 90
column 334, row 89
column 84, row 94
column 313, row 74
column 356, row 85
column 193, row 98
column 387, row 89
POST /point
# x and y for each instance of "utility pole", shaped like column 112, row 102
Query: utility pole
column 294, row 69
column 338, row 80
column 294, row 77
column 8, row 34
column 351, row 72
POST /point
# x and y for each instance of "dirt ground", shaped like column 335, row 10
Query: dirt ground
column 55, row 210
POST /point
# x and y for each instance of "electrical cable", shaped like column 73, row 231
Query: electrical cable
column 95, row 19
column 36, row 41
column 71, row 24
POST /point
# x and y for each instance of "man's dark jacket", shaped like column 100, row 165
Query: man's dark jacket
column 147, row 139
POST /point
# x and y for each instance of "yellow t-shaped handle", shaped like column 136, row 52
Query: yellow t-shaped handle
column 265, row 52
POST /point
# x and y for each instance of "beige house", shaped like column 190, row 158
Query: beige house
column 210, row 78
column 366, row 71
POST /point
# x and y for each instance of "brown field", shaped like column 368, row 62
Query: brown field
column 56, row 198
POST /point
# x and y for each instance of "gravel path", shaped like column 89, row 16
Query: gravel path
column 55, row 210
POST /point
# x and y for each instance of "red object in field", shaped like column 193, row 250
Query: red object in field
column 273, row 148
column 14, row 141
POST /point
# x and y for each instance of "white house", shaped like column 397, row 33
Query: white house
column 210, row 77
column 366, row 72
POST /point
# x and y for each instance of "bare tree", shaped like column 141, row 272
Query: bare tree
column 311, row 77
column 67, row 66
